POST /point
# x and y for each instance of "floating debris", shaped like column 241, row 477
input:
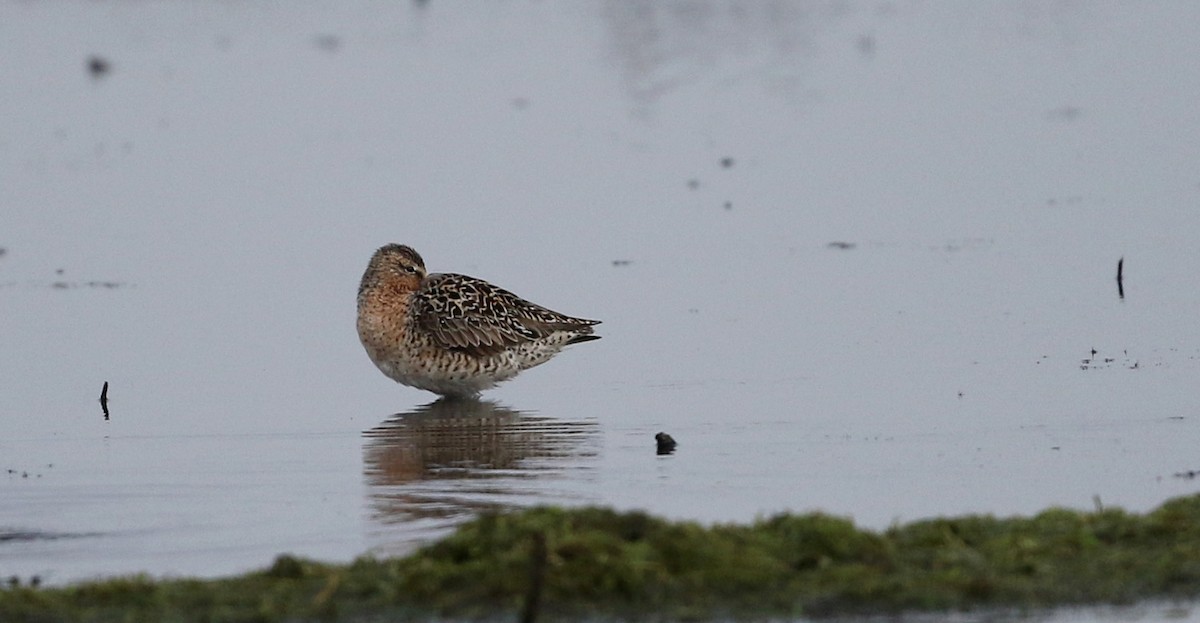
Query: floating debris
column 666, row 443
column 104, row 400
column 1121, row 278
column 98, row 66
column 1097, row 363
column 622, row 262
column 24, row 474
column 726, row 162
column 844, row 246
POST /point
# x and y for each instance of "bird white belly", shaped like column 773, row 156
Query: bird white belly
column 462, row 380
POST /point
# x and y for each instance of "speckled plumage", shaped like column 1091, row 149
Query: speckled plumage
column 452, row 334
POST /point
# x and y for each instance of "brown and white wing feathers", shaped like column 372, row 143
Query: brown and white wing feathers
column 474, row 316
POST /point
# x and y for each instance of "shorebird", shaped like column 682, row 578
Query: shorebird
column 452, row 334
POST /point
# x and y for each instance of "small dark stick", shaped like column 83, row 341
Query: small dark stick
column 104, row 400
column 1121, row 278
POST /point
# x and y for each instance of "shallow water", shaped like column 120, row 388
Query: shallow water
column 854, row 256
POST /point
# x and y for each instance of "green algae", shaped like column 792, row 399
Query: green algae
column 604, row 564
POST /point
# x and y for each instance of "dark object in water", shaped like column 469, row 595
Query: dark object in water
column 104, row 400
column 1121, row 278
column 666, row 443
column 97, row 66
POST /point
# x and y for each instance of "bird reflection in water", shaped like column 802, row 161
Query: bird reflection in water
column 431, row 468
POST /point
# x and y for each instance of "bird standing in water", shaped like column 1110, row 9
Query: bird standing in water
column 452, row 334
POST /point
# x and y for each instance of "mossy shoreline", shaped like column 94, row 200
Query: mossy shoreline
column 552, row 564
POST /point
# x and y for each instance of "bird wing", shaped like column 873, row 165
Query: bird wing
column 474, row 316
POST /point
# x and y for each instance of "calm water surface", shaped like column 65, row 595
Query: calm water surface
column 856, row 257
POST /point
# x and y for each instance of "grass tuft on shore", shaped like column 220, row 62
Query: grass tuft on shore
column 553, row 563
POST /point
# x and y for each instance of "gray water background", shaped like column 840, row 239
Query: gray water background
column 856, row 257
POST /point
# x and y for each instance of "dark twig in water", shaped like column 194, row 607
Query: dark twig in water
column 1121, row 278
column 104, row 400
column 537, row 575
